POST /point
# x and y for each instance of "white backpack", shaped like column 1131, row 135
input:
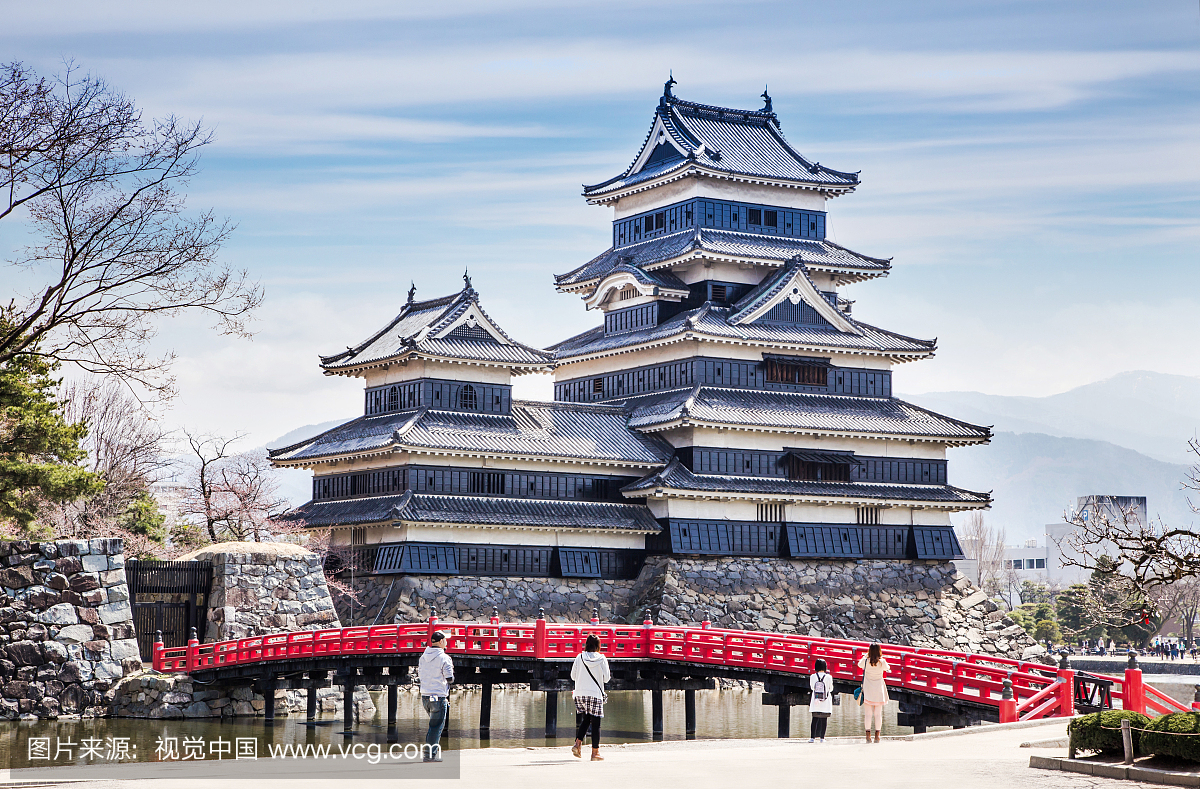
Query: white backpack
column 820, row 691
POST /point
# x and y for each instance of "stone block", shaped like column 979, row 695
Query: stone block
column 88, row 615
column 25, row 653
column 95, row 563
column 196, row 709
column 107, row 670
column 112, row 578
column 68, row 565
column 85, row 582
column 126, row 648
column 16, row 577
column 116, row 561
column 61, row 614
column 54, row 652
column 168, row 711
column 118, row 593
column 114, row 613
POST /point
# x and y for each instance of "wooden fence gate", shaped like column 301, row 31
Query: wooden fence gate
column 168, row 596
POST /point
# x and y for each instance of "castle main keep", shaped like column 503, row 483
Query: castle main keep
column 728, row 406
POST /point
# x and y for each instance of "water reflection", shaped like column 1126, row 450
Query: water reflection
column 518, row 719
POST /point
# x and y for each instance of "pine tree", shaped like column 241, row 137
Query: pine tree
column 40, row 454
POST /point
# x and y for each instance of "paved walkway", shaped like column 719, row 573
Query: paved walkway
column 983, row 760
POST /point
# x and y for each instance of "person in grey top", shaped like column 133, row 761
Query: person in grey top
column 436, row 672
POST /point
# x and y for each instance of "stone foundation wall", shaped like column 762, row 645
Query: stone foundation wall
column 171, row 696
column 918, row 603
column 66, row 627
column 261, row 588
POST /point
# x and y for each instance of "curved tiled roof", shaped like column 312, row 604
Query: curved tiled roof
column 723, row 140
column 533, row 429
column 677, row 476
column 410, row 333
column 819, row 413
column 820, row 255
column 709, row 322
column 477, row 510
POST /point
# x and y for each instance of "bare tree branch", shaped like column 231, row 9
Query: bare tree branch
column 101, row 188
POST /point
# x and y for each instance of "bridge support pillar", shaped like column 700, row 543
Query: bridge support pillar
column 656, row 714
column 689, row 714
column 785, row 721
column 391, row 706
column 311, row 704
column 348, row 704
column 551, row 714
column 485, row 712
column 268, row 690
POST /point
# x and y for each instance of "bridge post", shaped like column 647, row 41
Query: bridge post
column 268, row 684
column 348, row 703
column 689, row 714
column 1133, row 693
column 551, row 714
column 156, row 661
column 485, row 712
column 595, row 616
column 656, row 714
column 433, row 620
column 539, row 635
column 391, row 705
column 785, row 720
column 495, row 615
column 310, row 712
column 1008, row 704
column 1066, row 692
column 193, row 646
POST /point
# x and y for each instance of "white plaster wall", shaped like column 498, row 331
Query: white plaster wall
column 719, row 189
column 421, row 368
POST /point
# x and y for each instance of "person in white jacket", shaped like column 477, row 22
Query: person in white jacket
column 821, row 704
column 435, row 670
column 590, row 673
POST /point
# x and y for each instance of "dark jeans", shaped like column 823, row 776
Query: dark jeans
column 439, row 711
column 819, row 725
column 583, row 722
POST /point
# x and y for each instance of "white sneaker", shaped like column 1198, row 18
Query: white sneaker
column 810, row 739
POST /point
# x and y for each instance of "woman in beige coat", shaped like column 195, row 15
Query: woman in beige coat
column 874, row 689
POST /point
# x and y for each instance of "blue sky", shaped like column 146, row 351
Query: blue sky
column 1032, row 167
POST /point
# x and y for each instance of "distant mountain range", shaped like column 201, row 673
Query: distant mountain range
column 1153, row 413
column 1126, row 435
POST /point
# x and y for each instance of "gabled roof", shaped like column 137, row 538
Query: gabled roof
column 484, row 511
column 678, row 479
column 712, row 323
column 793, row 284
column 453, row 328
column 815, row 414
column 534, row 430
column 657, row 283
column 687, row 138
column 666, row 251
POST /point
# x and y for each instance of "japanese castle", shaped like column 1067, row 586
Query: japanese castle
column 726, row 404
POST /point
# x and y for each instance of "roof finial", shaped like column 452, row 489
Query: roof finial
column 412, row 292
column 466, row 280
column 767, row 98
column 667, row 86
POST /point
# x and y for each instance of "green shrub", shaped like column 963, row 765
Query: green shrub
column 1101, row 731
column 1160, row 737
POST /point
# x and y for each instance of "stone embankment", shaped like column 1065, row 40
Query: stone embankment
column 66, row 627
column 261, row 588
column 152, row 695
column 919, row 603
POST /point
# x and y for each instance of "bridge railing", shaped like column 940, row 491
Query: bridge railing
column 1022, row 690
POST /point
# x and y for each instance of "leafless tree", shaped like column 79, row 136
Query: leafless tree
column 102, row 191
column 985, row 545
column 231, row 495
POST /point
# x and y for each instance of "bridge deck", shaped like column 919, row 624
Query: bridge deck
column 982, row 687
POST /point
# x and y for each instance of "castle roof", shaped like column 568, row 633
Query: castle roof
column 452, row 328
column 789, row 412
column 671, row 250
column 534, row 430
column 680, row 480
column 690, row 139
column 477, row 510
column 712, row 323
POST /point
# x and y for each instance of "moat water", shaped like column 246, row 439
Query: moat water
column 518, row 720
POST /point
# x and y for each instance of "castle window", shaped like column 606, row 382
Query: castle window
column 720, row 293
column 809, row 471
column 771, row 218
column 660, row 220
column 358, row 536
column 487, row 482
column 468, row 400
column 770, row 513
column 786, row 373
column 754, row 216
column 393, row 399
column 867, row 516
column 649, row 224
column 597, row 386
column 627, row 292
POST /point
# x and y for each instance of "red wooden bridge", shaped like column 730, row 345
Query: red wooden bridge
column 933, row 686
